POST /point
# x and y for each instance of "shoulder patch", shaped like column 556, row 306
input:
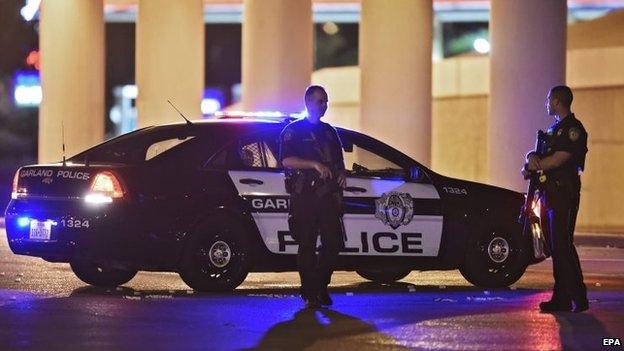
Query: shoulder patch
column 574, row 134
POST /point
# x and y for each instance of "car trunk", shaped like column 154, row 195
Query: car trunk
column 57, row 180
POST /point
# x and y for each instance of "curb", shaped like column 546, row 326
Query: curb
column 599, row 240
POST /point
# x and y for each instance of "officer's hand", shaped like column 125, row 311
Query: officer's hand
column 342, row 180
column 533, row 163
column 324, row 171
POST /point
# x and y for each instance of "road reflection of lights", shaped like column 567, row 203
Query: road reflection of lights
column 544, row 331
column 469, row 323
column 459, row 332
column 322, row 319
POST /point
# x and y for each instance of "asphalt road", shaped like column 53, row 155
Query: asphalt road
column 44, row 307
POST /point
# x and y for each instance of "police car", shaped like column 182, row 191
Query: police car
column 207, row 200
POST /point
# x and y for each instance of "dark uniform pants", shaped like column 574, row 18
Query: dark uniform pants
column 309, row 217
column 562, row 201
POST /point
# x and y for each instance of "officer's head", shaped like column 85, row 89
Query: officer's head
column 316, row 102
column 559, row 100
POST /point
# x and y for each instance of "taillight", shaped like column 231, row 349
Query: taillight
column 16, row 191
column 105, row 187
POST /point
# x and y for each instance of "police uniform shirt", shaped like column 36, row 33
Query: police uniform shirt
column 317, row 142
column 569, row 135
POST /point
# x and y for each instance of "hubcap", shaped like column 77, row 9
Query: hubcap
column 220, row 254
column 498, row 250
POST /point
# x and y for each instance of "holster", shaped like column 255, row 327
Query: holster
column 295, row 182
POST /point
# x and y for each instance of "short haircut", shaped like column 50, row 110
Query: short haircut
column 311, row 89
column 563, row 94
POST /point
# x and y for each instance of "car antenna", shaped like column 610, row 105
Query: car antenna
column 63, row 141
column 187, row 121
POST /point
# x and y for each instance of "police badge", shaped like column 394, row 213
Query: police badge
column 394, row 209
column 574, row 134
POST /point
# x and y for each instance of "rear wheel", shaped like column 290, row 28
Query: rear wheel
column 384, row 275
column 217, row 257
column 97, row 275
column 495, row 259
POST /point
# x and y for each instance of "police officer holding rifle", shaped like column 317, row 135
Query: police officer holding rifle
column 560, row 182
column 311, row 152
column 537, row 180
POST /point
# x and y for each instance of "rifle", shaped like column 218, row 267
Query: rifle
column 527, row 218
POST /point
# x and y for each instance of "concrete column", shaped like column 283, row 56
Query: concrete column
column 528, row 57
column 169, row 60
column 395, row 71
column 277, row 54
column 71, row 41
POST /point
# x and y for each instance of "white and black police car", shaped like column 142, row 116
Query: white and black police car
column 207, row 200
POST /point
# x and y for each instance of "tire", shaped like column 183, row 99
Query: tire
column 96, row 275
column 385, row 276
column 217, row 257
column 495, row 259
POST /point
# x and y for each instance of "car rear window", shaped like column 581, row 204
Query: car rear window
column 135, row 147
column 160, row 147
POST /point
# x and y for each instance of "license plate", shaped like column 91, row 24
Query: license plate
column 40, row 230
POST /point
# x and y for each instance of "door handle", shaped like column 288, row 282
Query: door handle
column 355, row 189
column 251, row 181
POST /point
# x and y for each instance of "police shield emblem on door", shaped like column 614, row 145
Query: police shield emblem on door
column 394, row 209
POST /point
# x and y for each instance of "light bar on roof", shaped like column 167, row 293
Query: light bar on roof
column 257, row 114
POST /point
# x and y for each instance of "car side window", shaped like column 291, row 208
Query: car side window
column 270, row 155
column 251, row 154
column 256, row 151
column 363, row 159
column 257, row 154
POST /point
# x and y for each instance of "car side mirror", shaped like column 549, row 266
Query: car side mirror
column 415, row 174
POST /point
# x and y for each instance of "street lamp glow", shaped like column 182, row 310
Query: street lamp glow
column 28, row 95
column 210, row 106
column 330, row 28
column 481, row 45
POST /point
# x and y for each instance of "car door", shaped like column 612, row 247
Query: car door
column 386, row 212
column 260, row 183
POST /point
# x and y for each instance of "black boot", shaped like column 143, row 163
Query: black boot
column 324, row 298
column 311, row 302
column 555, row 306
column 580, row 306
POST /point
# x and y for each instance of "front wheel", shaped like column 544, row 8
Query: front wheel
column 97, row 275
column 385, row 276
column 217, row 257
column 495, row 259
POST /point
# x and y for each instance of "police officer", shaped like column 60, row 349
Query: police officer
column 311, row 152
column 562, row 164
